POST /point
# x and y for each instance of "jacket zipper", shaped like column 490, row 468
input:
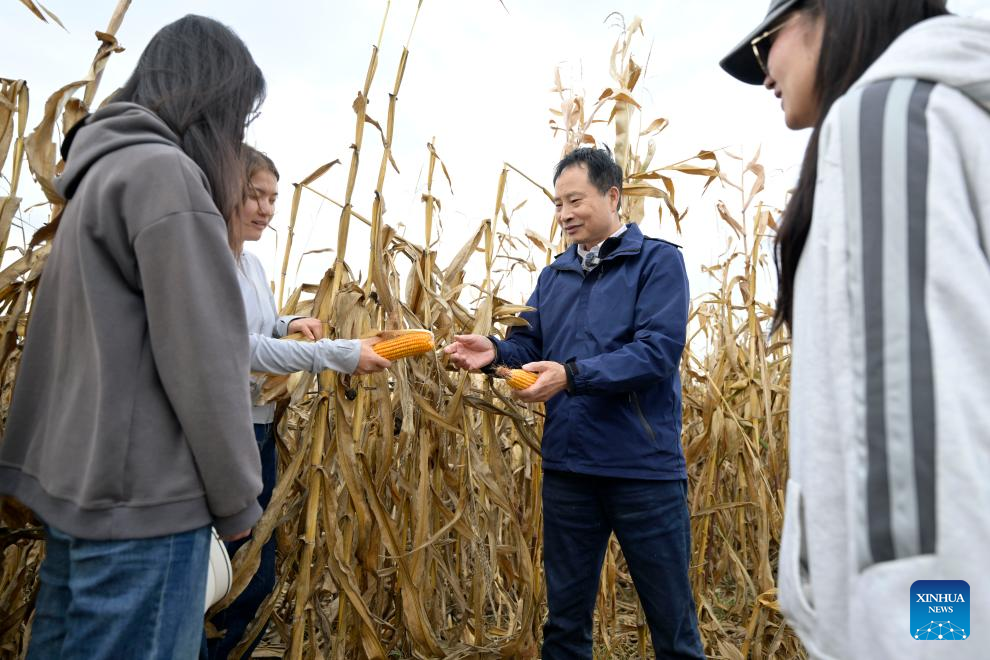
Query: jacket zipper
column 634, row 399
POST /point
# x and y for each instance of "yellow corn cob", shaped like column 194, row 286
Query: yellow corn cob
column 517, row 378
column 404, row 345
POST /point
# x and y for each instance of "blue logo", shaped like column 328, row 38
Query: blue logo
column 940, row 610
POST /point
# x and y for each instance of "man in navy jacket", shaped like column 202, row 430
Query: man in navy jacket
column 606, row 340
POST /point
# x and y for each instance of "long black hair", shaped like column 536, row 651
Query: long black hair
column 856, row 33
column 198, row 76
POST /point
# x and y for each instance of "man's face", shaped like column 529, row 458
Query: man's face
column 587, row 216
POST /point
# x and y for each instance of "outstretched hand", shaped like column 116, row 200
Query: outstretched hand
column 551, row 381
column 470, row 351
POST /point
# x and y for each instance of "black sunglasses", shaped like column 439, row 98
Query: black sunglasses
column 762, row 44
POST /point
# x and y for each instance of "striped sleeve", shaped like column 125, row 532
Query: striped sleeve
column 885, row 163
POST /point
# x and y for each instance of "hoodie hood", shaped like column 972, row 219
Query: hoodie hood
column 114, row 127
column 951, row 50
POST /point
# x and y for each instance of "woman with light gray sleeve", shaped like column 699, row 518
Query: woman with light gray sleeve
column 269, row 354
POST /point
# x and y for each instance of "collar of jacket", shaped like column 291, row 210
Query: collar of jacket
column 630, row 242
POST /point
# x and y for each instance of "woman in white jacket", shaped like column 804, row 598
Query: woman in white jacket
column 884, row 279
column 269, row 354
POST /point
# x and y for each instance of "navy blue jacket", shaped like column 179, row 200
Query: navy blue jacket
column 623, row 324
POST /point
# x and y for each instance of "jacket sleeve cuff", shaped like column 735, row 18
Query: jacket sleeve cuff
column 571, row 369
column 581, row 380
column 490, row 367
column 282, row 325
column 240, row 521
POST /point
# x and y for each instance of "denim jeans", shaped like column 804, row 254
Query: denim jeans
column 106, row 600
column 651, row 521
column 238, row 615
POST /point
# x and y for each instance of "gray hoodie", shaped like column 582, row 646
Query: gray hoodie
column 890, row 393
column 131, row 416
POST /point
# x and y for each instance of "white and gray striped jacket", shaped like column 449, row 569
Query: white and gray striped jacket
column 890, row 400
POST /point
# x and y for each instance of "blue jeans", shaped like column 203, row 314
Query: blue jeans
column 238, row 615
column 140, row 598
column 651, row 521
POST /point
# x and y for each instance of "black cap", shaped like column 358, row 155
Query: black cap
column 741, row 63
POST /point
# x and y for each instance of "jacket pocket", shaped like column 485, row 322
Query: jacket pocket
column 638, row 410
column 879, row 605
column 794, row 575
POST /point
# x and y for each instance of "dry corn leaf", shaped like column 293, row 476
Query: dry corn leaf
column 41, row 12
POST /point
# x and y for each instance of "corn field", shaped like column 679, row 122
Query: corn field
column 407, row 512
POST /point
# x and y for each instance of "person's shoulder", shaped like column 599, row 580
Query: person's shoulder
column 161, row 179
column 871, row 101
column 251, row 262
column 546, row 273
column 849, row 106
column 660, row 243
column 659, row 248
column 250, row 265
column 165, row 162
column 660, row 255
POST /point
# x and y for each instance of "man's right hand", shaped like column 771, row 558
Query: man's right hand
column 471, row 351
column 370, row 362
column 230, row 538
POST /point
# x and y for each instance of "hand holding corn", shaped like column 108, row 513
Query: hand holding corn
column 551, row 380
column 370, row 361
column 517, row 378
column 378, row 352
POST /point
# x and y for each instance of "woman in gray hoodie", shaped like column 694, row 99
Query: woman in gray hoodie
column 129, row 431
column 883, row 279
column 272, row 355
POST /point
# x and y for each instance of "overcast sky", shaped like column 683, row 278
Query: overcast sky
column 478, row 80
